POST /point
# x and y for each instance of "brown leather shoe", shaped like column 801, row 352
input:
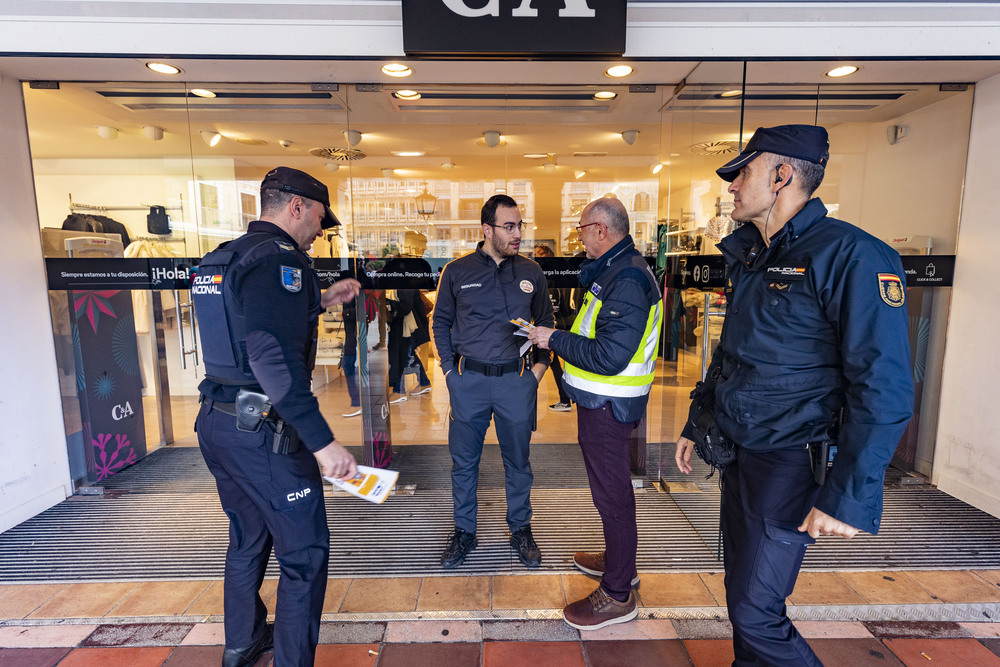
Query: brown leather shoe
column 599, row 610
column 593, row 564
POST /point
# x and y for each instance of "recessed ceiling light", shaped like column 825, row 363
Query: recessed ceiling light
column 731, row 93
column 409, row 153
column 655, row 168
column 535, row 156
column 580, row 173
column 843, row 70
column 252, row 142
column 396, row 69
column 618, row 71
column 163, row 68
column 201, row 92
column 605, row 95
column 407, row 95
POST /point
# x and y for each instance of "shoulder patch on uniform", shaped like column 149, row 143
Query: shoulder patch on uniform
column 890, row 288
column 291, row 278
column 595, row 289
column 527, row 286
column 285, row 245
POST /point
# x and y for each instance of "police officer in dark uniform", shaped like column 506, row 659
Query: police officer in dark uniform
column 814, row 350
column 260, row 430
column 488, row 373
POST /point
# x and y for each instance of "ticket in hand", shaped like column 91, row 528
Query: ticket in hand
column 522, row 324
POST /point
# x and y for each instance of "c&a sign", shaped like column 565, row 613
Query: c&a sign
column 506, row 28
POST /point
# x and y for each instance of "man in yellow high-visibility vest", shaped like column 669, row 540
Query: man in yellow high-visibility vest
column 610, row 355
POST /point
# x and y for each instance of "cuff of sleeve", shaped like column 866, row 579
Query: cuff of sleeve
column 688, row 431
column 848, row 510
column 316, row 436
column 447, row 366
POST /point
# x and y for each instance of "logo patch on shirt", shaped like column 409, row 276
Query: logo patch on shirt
column 527, row 286
column 595, row 289
column 779, row 287
column 285, row 246
column 890, row 288
column 788, row 273
column 291, row 278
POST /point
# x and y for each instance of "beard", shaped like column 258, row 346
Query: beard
column 501, row 248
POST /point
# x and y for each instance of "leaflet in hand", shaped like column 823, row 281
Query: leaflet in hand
column 524, row 327
column 372, row 484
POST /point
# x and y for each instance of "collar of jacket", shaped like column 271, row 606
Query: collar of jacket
column 589, row 270
column 737, row 245
column 258, row 226
column 489, row 261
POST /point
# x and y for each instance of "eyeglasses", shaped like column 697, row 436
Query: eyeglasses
column 580, row 228
column 509, row 227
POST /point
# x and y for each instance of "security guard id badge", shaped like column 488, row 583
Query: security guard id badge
column 371, row 484
column 524, row 327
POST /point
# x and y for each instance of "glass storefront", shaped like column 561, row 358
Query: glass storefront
column 179, row 166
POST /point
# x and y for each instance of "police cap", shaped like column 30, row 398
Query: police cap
column 805, row 142
column 300, row 183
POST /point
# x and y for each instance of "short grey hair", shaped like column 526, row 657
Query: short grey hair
column 612, row 213
column 809, row 174
column 273, row 200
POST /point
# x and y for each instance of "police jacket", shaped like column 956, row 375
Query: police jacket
column 476, row 299
column 258, row 303
column 817, row 323
column 625, row 333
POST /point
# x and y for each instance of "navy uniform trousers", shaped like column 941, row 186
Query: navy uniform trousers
column 270, row 499
column 765, row 497
column 510, row 401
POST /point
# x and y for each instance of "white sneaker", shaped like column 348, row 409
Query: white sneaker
column 353, row 414
column 560, row 407
column 422, row 390
column 399, row 399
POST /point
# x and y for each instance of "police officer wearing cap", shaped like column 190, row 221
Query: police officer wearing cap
column 814, row 350
column 489, row 373
column 260, row 430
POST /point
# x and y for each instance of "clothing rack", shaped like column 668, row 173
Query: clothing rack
column 77, row 206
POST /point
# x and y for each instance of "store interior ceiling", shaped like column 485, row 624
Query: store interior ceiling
column 280, row 111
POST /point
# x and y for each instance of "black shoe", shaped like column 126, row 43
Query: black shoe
column 527, row 550
column 459, row 545
column 246, row 657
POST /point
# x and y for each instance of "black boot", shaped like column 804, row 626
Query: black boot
column 246, row 657
column 459, row 545
column 527, row 551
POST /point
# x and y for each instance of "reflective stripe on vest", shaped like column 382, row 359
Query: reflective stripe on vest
column 637, row 376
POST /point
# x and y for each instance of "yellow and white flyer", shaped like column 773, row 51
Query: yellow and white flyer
column 372, row 484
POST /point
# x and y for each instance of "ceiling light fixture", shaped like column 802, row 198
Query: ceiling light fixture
column 353, row 137
column 655, row 168
column 605, row 95
column 447, row 165
column 843, row 70
column 387, row 173
column 332, row 167
column 492, row 138
column 618, row 71
column 408, row 95
column 202, row 92
column 409, row 153
column 629, row 136
column 211, row 138
column 163, row 68
column 152, row 132
column 551, row 165
column 106, row 132
column 578, row 174
column 396, row 69
column 535, row 156
column 731, row 93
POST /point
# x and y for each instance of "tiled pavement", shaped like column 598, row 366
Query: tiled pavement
column 511, row 620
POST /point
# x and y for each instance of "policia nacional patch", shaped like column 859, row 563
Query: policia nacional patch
column 890, row 288
column 291, row 278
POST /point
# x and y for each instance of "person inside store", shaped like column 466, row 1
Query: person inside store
column 814, row 350
column 491, row 373
column 258, row 303
column 562, row 313
column 610, row 355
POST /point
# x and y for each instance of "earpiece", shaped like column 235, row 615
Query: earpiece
column 777, row 173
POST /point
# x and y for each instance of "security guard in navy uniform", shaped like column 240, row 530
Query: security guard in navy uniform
column 814, row 350
column 489, row 373
column 260, row 430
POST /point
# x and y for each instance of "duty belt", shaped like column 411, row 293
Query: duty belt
column 491, row 370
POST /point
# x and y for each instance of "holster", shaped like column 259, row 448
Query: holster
column 820, row 457
column 252, row 408
column 286, row 439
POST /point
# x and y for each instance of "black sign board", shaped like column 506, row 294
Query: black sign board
column 505, row 28
column 929, row 270
column 698, row 271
